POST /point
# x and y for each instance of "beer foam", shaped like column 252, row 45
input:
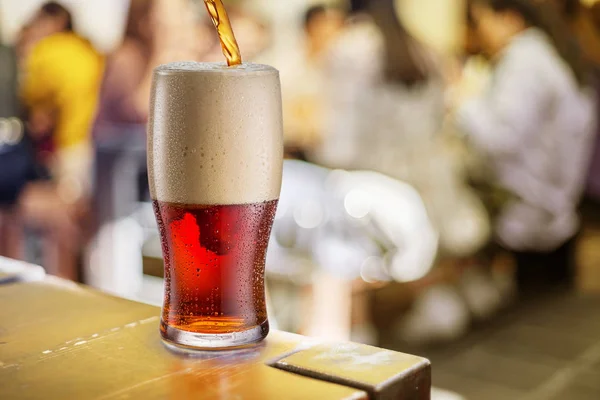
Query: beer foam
column 215, row 134
column 193, row 66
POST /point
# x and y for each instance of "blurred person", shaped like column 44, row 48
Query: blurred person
column 586, row 30
column 26, row 199
column 581, row 21
column 303, row 80
column 157, row 32
column 534, row 127
column 61, row 78
column 472, row 47
column 9, row 102
column 321, row 25
column 59, row 88
column 385, row 108
column 384, row 88
column 14, row 160
column 51, row 18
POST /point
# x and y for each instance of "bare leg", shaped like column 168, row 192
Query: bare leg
column 331, row 308
column 11, row 235
column 60, row 256
column 41, row 207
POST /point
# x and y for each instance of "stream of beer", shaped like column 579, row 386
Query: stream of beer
column 219, row 17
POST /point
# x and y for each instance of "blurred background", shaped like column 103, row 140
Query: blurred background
column 441, row 189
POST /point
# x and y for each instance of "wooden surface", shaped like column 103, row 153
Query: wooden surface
column 59, row 340
column 383, row 374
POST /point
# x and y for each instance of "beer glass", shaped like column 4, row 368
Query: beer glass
column 215, row 155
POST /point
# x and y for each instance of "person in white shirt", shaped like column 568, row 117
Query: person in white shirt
column 535, row 125
column 385, row 96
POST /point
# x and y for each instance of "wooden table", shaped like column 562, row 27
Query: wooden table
column 59, row 340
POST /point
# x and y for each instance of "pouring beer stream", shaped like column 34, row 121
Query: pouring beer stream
column 219, row 17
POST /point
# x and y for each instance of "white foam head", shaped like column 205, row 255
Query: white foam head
column 215, row 134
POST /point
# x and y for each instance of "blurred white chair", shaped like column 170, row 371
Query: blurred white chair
column 346, row 226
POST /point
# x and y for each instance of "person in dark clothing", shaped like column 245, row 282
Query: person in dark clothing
column 15, row 166
column 15, row 159
column 28, row 199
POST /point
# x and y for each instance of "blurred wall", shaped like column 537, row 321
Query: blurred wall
column 101, row 21
column 438, row 23
column 284, row 21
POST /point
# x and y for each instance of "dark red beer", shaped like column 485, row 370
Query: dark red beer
column 215, row 163
column 214, row 265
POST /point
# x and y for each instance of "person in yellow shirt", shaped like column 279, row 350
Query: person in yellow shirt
column 59, row 86
column 61, row 77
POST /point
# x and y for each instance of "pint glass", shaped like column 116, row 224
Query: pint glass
column 215, row 154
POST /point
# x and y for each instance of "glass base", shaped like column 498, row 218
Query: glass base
column 180, row 339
